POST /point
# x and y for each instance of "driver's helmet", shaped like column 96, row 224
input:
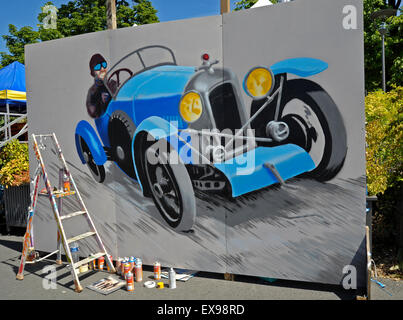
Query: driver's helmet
column 97, row 60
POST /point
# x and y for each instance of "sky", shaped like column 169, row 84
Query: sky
column 25, row 12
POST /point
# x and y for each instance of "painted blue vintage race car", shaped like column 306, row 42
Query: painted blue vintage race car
column 175, row 128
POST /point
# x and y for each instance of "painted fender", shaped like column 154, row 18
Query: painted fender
column 302, row 67
column 158, row 128
column 87, row 132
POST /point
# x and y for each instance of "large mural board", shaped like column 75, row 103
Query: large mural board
column 229, row 143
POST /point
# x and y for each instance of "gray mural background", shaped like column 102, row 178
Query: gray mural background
column 305, row 231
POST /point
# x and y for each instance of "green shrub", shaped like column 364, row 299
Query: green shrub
column 14, row 164
column 384, row 135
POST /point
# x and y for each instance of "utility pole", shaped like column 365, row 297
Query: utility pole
column 225, row 6
column 111, row 14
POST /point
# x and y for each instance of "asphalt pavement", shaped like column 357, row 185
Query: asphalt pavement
column 204, row 286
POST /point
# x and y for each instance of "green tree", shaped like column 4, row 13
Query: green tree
column 145, row 12
column 74, row 18
column 16, row 40
column 384, row 135
column 373, row 47
column 246, row 4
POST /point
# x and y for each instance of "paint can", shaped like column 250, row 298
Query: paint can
column 66, row 183
column 107, row 265
column 129, row 282
column 122, row 267
column 118, row 265
column 138, row 270
column 93, row 263
column 126, row 268
column 132, row 263
column 172, row 278
column 101, row 261
column 157, row 271
column 83, row 268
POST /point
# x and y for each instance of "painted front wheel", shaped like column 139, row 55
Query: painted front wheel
column 170, row 186
column 314, row 123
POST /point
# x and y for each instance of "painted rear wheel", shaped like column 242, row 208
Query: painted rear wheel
column 120, row 131
column 97, row 171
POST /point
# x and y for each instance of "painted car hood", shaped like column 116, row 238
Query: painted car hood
column 157, row 92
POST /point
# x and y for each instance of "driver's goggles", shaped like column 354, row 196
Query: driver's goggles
column 99, row 65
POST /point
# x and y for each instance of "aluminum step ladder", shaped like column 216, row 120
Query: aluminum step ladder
column 55, row 196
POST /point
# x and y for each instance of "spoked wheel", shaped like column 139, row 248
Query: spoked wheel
column 170, row 186
column 314, row 123
column 97, row 171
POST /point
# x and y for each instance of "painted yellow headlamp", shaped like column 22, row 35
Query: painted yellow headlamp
column 259, row 82
column 191, row 107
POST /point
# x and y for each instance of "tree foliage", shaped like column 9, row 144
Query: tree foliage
column 14, row 164
column 373, row 47
column 384, row 130
column 16, row 40
column 246, row 4
column 74, row 18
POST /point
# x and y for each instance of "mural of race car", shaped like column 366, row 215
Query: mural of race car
column 173, row 129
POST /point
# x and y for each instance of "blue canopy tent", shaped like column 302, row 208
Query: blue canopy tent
column 12, row 101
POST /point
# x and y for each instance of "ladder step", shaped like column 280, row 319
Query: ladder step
column 81, row 236
column 73, row 214
column 89, row 259
column 58, row 193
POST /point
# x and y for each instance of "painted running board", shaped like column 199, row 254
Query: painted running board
column 258, row 168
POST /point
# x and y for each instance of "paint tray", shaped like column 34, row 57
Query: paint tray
column 181, row 274
column 106, row 286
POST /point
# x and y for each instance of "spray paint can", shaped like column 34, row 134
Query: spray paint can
column 93, row 263
column 122, row 267
column 126, row 268
column 138, row 270
column 157, row 271
column 118, row 265
column 66, row 183
column 107, row 265
column 101, row 261
column 129, row 282
column 172, row 278
column 132, row 263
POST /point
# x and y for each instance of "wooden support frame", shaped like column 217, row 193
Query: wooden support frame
column 225, row 6
column 111, row 14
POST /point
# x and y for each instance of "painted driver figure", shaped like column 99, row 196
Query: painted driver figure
column 98, row 96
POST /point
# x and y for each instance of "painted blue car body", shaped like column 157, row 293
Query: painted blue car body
column 151, row 100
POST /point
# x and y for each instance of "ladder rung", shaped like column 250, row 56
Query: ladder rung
column 58, row 193
column 73, row 214
column 81, row 236
column 89, row 259
column 44, row 135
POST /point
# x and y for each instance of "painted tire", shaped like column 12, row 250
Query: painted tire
column 315, row 124
column 120, row 131
column 170, row 186
column 97, row 171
